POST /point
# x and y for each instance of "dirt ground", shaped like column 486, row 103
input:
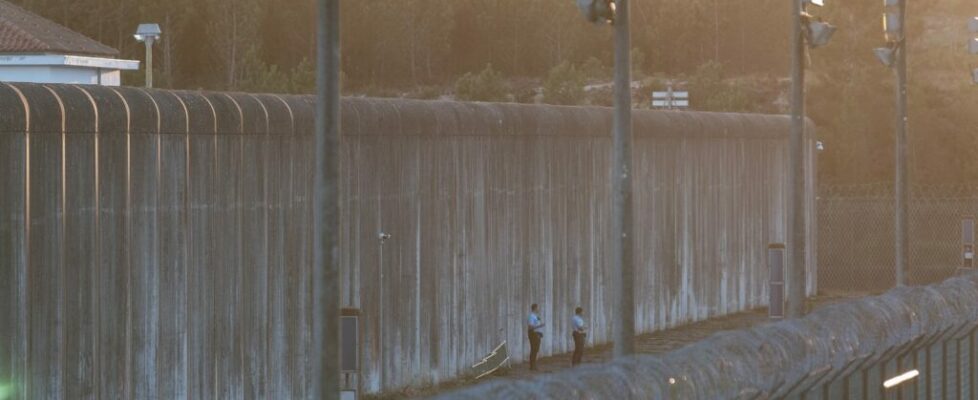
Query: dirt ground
column 651, row 343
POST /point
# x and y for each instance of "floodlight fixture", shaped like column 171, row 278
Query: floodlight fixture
column 597, row 11
column 819, row 3
column 892, row 26
column 886, row 55
column 148, row 33
column 819, row 33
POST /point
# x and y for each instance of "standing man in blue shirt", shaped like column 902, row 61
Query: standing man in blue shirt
column 580, row 335
column 534, row 327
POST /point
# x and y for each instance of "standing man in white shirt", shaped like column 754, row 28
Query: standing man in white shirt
column 580, row 335
column 534, row 327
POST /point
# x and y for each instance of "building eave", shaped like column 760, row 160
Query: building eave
column 62, row 60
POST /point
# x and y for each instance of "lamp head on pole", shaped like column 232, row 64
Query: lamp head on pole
column 886, row 55
column 817, row 33
column 148, row 32
column 893, row 20
column 597, row 11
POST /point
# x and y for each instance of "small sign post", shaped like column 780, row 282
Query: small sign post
column 670, row 100
column 776, row 261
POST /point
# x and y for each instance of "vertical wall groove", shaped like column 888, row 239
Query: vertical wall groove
column 19, row 345
column 91, row 389
column 188, row 241
column 62, row 217
column 127, row 252
column 265, row 142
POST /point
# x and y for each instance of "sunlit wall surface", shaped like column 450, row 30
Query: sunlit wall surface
column 158, row 244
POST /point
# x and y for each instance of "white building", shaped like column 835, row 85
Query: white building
column 34, row 49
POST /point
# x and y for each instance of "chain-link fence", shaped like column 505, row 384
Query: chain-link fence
column 856, row 237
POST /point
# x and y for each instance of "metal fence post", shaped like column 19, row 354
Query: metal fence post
column 775, row 263
column 796, row 170
column 325, row 355
column 902, row 192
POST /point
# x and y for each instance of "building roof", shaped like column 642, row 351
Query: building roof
column 24, row 32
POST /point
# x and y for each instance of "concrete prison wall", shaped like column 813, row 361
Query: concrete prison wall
column 157, row 243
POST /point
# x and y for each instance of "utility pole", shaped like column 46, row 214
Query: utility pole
column 622, row 242
column 622, row 251
column 796, row 174
column 813, row 32
column 326, row 291
column 895, row 56
column 902, row 194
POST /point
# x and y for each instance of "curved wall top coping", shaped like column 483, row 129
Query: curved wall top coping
column 118, row 110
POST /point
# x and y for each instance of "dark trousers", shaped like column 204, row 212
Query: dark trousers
column 534, row 348
column 578, row 347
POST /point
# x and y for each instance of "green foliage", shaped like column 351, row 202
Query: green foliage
column 304, row 77
column 731, row 99
column 487, row 85
column 564, row 85
column 593, row 68
column 707, row 79
column 428, row 93
column 738, row 50
column 638, row 62
column 259, row 77
column 711, row 92
column 262, row 78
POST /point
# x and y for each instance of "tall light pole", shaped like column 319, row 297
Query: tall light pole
column 814, row 32
column 622, row 243
column 973, row 44
column 326, row 288
column 895, row 56
column 622, row 248
column 148, row 34
column 796, row 174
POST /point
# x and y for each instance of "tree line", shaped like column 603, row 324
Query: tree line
column 251, row 44
column 732, row 54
